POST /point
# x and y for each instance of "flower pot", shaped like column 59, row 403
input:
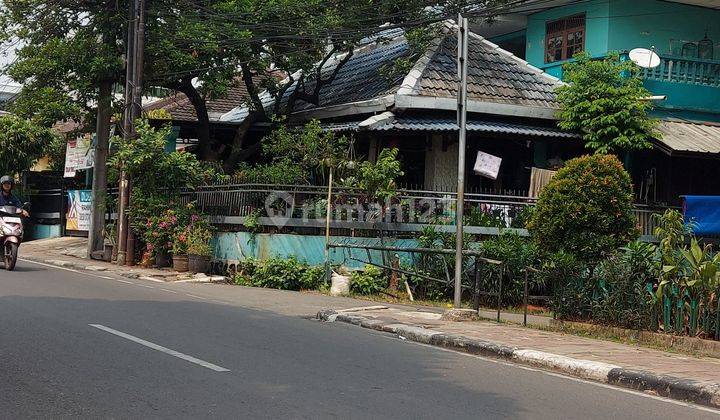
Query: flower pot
column 107, row 252
column 162, row 259
column 198, row 263
column 180, row 263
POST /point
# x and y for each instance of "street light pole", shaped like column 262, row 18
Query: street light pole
column 462, row 121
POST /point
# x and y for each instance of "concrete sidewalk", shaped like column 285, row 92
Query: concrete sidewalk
column 71, row 252
column 695, row 379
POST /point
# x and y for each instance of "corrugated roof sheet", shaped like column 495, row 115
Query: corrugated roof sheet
column 690, row 137
column 446, row 124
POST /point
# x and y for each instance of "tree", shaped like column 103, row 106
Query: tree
column 586, row 210
column 605, row 101
column 65, row 52
column 22, row 143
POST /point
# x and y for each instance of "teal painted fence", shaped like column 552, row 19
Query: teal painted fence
column 34, row 232
column 236, row 246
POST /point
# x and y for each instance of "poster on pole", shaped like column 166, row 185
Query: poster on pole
column 79, row 154
column 487, row 165
column 79, row 210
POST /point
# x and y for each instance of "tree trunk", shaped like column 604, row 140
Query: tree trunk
column 207, row 148
column 238, row 152
column 99, row 186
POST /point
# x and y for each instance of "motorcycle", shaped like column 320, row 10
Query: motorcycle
column 11, row 234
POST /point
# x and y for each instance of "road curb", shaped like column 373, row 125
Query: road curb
column 666, row 386
column 129, row 273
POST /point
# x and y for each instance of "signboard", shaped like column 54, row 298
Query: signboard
column 79, row 154
column 487, row 165
column 79, row 210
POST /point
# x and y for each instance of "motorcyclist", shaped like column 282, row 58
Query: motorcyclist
column 6, row 196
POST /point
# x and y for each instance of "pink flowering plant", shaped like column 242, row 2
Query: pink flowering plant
column 188, row 237
column 159, row 230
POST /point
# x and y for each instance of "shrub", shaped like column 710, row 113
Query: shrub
column 370, row 281
column 517, row 253
column 618, row 293
column 313, row 278
column 279, row 273
column 586, row 209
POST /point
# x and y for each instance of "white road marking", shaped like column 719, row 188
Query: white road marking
column 124, row 281
column 169, row 291
column 195, row 296
column 144, row 285
column 557, row 375
column 160, row 348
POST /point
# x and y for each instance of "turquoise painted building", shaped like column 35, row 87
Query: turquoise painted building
column 685, row 34
column 686, row 84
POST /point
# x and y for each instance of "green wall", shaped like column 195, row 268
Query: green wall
column 596, row 42
column 653, row 23
column 621, row 25
column 234, row 246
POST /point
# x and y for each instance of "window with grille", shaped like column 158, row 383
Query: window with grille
column 564, row 38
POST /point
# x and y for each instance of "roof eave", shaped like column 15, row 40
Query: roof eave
column 450, row 104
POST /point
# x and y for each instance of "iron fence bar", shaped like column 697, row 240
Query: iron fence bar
column 499, row 294
column 525, row 300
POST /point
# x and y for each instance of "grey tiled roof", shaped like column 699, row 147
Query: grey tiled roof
column 361, row 77
column 494, row 75
column 473, row 125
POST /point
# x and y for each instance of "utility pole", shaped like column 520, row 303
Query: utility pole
column 133, row 109
column 99, row 185
column 137, row 109
column 462, row 122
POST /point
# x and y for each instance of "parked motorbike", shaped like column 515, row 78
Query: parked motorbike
column 11, row 234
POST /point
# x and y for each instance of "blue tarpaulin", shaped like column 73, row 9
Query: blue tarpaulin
column 704, row 212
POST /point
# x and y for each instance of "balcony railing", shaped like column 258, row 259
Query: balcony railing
column 685, row 70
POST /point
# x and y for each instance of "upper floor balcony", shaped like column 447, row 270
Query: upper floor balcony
column 689, row 83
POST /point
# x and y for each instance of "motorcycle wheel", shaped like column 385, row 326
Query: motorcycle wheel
column 11, row 250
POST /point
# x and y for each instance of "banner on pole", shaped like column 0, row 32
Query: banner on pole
column 79, row 154
column 79, row 210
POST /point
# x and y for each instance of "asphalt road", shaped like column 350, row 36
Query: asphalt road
column 97, row 346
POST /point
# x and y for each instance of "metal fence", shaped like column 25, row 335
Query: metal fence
column 233, row 203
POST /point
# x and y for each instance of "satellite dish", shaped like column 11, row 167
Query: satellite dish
column 645, row 58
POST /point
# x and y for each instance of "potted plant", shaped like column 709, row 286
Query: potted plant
column 180, row 249
column 199, row 250
column 158, row 235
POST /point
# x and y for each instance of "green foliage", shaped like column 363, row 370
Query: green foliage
column 370, row 281
column 379, row 179
column 586, row 209
column 280, row 273
column 146, row 155
column 282, row 172
column 22, row 143
column 604, row 101
column 64, row 52
column 199, row 240
column 298, row 155
column 516, row 253
column 616, row 293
